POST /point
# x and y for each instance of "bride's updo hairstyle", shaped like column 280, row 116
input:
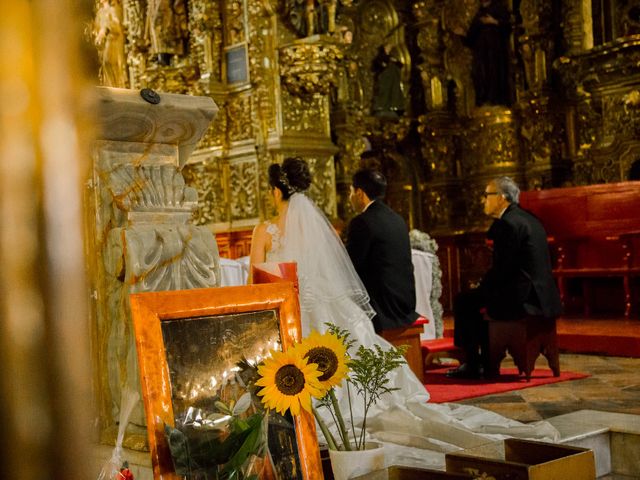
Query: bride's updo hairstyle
column 290, row 177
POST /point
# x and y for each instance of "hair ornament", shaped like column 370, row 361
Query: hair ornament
column 285, row 182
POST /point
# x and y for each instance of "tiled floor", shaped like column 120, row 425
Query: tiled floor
column 614, row 384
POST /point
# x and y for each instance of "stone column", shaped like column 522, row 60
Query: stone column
column 140, row 237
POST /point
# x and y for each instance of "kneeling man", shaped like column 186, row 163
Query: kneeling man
column 520, row 281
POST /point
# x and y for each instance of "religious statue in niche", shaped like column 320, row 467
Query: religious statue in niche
column 488, row 39
column 388, row 97
column 108, row 36
column 349, row 84
column 166, row 29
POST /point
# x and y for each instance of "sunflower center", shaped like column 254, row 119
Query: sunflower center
column 290, row 380
column 326, row 360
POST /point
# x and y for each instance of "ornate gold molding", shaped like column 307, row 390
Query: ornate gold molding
column 490, row 142
column 244, row 188
column 208, row 177
column 603, row 86
column 310, row 67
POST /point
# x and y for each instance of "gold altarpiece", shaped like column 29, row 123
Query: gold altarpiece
column 296, row 78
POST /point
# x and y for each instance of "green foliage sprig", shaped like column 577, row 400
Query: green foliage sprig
column 369, row 376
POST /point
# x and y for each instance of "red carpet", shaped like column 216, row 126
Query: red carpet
column 444, row 389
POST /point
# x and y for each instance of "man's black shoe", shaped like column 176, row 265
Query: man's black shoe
column 491, row 374
column 465, row 371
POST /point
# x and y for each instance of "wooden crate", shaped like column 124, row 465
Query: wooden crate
column 406, row 473
column 527, row 460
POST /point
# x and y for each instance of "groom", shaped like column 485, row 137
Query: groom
column 378, row 244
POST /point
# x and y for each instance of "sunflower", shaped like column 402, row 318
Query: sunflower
column 329, row 353
column 288, row 382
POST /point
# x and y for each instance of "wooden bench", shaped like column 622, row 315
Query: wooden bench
column 594, row 232
column 525, row 340
column 409, row 336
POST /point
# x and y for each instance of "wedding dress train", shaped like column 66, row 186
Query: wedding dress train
column 331, row 291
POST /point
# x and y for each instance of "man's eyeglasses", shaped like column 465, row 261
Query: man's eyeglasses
column 486, row 194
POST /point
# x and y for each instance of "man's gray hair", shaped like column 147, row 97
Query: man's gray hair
column 508, row 188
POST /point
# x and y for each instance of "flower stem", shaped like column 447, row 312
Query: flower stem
column 363, row 432
column 353, row 428
column 341, row 425
column 331, row 442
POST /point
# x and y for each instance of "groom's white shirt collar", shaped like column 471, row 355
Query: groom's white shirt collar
column 367, row 206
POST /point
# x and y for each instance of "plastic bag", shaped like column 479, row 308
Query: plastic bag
column 116, row 468
column 223, row 437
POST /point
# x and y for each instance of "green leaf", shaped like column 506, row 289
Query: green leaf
column 251, row 445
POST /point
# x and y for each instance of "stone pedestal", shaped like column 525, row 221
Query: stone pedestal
column 140, row 237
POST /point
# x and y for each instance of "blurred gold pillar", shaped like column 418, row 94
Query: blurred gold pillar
column 45, row 392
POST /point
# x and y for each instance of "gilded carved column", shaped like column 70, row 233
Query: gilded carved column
column 135, row 47
column 348, row 110
column 577, row 26
column 542, row 127
column 141, row 232
column 536, row 43
column 205, row 42
column 308, row 72
column 439, row 127
column 226, row 168
column 489, row 149
column 439, row 134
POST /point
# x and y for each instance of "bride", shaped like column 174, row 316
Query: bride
column 331, row 291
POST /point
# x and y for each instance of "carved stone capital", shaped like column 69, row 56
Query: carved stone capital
column 177, row 120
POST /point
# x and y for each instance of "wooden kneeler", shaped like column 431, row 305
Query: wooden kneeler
column 409, row 335
column 525, row 339
column 434, row 350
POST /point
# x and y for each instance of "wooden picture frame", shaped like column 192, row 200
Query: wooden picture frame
column 203, row 311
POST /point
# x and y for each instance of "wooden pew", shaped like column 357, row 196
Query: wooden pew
column 594, row 232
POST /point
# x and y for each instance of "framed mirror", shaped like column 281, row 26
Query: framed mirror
column 189, row 343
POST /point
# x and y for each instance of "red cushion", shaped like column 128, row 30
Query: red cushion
column 420, row 321
column 438, row 344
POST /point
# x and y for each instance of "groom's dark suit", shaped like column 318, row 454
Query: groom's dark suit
column 378, row 244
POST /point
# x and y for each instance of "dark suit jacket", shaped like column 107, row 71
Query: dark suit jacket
column 378, row 244
column 520, row 278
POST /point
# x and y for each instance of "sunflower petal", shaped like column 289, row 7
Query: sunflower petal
column 295, row 407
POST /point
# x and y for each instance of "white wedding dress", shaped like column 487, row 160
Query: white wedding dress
column 331, row 291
